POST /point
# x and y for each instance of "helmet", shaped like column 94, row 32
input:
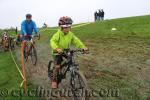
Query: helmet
column 65, row 21
column 28, row 15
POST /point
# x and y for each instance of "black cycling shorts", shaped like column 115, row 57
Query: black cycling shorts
column 26, row 38
column 58, row 59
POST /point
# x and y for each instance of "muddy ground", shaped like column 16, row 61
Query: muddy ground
column 122, row 64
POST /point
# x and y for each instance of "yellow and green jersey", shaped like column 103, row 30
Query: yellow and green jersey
column 62, row 41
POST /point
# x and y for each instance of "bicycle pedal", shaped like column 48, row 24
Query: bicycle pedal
column 59, row 80
column 63, row 77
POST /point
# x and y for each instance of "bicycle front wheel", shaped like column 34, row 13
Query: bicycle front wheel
column 33, row 55
column 50, row 69
column 78, row 86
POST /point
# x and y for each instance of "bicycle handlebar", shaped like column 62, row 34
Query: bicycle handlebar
column 24, row 37
column 65, row 51
column 39, row 36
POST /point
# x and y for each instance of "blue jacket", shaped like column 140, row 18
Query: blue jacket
column 28, row 27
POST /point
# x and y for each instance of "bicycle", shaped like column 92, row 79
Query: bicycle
column 77, row 80
column 5, row 43
column 29, row 49
column 12, row 43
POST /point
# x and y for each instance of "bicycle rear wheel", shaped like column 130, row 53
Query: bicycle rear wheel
column 11, row 44
column 33, row 55
column 78, row 86
column 25, row 53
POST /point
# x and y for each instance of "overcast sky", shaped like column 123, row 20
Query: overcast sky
column 12, row 12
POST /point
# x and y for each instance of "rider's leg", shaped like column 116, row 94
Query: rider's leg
column 55, row 72
column 23, row 43
column 57, row 60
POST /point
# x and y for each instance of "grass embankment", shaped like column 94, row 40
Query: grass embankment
column 120, row 59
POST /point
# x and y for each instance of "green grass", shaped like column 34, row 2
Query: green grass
column 135, row 27
column 10, row 78
column 126, row 27
column 8, row 72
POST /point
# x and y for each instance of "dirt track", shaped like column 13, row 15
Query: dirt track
column 113, row 63
column 38, row 74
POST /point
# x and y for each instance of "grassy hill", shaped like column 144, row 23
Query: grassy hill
column 119, row 59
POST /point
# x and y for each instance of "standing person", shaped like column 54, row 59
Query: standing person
column 95, row 16
column 28, row 26
column 61, row 40
column 44, row 25
column 103, row 13
column 16, row 30
column 99, row 15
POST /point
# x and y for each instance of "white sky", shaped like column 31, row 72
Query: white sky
column 12, row 12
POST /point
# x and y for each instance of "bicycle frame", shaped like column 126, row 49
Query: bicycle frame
column 77, row 81
column 29, row 42
column 29, row 49
column 69, row 64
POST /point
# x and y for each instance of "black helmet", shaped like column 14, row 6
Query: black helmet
column 65, row 21
column 28, row 15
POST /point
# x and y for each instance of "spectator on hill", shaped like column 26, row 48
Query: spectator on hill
column 102, row 14
column 95, row 16
column 44, row 25
column 16, row 30
column 99, row 15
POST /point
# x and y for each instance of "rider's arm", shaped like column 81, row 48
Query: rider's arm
column 77, row 42
column 23, row 28
column 54, row 41
column 35, row 28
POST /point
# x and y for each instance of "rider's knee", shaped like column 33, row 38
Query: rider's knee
column 23, row 42
column 57, row 66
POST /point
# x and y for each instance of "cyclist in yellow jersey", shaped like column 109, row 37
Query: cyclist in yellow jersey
column 61, row 40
